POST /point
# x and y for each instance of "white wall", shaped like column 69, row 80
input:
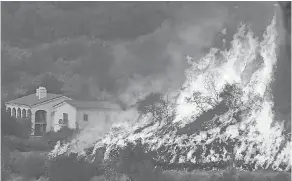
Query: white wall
column 48, row 107
column 58, row 114
column 100, row 117
column 97, row 127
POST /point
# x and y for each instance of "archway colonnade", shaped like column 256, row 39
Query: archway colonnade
column 37, row 117
column 19, row 112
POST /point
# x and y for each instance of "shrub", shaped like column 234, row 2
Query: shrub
column 5, row 157
column 5, row 154
column 24, row 125
column 71, row 168
column 14, row 143
column 138, row 163
column 26, row 145
column 33, row 166
column 64, row 134
column 5, row 173
column 36, row 144
column 11, row 126
column 15, row 159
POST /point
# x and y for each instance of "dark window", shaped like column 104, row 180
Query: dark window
column 85, row 117
column 65, row 118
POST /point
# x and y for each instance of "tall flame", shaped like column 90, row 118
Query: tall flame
column 249, row 63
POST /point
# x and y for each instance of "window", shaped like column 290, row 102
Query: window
column 53, row 113
column 85, row 117
column 65, row 118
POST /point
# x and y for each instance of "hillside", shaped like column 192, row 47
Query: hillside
column 239, row 78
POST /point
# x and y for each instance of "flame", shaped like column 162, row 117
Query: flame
column 249, row 63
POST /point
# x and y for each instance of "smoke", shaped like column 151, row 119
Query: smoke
column 156, row 62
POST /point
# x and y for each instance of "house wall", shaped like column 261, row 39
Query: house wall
column 58, row 114
column 48, row 107
column 98, row 127
column 100, row 117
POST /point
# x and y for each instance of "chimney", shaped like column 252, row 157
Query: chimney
column 41, row 92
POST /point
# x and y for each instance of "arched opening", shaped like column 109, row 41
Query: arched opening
column 18, row 113
column 29, row 114
column 13, row 112
column 40, row 123
column 23, row 115
column 9, row 111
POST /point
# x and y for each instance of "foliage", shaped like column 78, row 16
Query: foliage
column 33, row 166
column 231, row 95
column 71, row 168
column 25, row 145
column 5, row 173
column 5, row 158
column 64, row 134
column 137, row 163
column 16, row 158
column 37, row 144
column 157, row 105
column 11, row 126
column 230, row 100
column 204, row 121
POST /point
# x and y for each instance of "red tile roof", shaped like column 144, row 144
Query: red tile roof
column 92, row 104
column 32, row 99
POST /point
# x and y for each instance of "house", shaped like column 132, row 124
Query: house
column 73, row 113
column 49, row 112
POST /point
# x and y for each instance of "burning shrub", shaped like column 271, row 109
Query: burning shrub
column 157, row 105
column 64, row 134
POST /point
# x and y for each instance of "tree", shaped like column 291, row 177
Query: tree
column 203, row 102
column 231, row 95
column 157, row 105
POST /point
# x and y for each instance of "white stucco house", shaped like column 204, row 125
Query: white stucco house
column 49, row 112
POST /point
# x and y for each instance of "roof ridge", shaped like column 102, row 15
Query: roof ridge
column 32, row 99
column 92, row 104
